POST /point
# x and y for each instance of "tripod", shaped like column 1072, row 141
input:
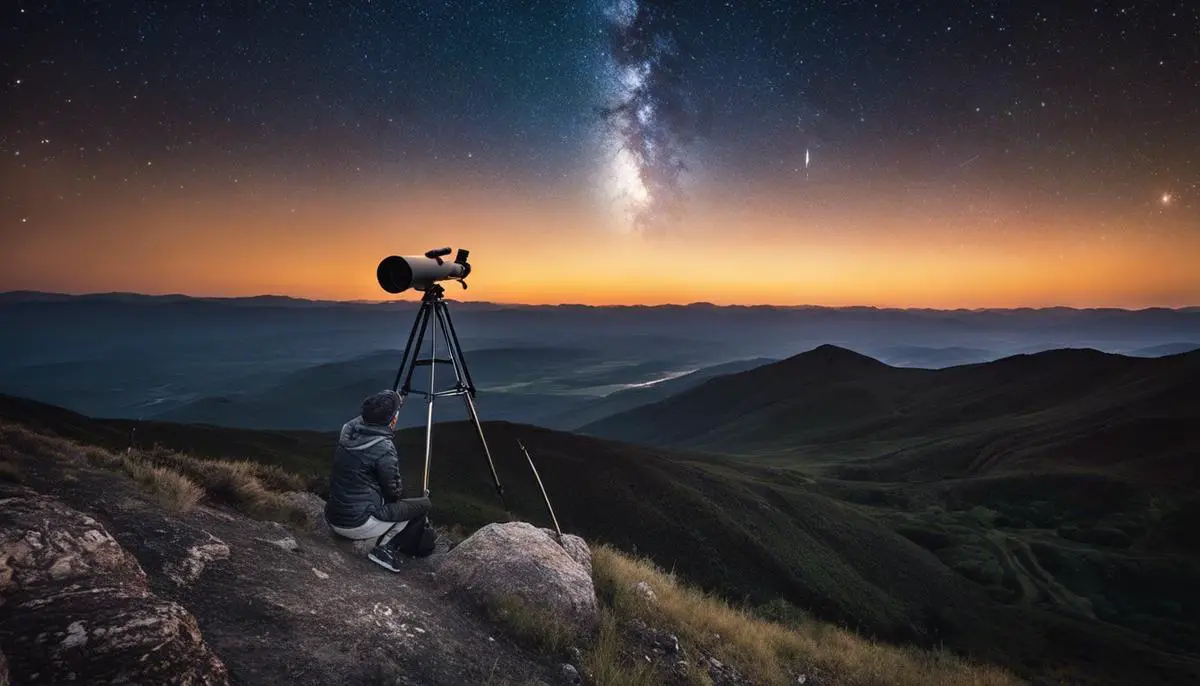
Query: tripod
column 433, row 305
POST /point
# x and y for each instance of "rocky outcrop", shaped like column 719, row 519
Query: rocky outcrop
column 313, row 507
column 515, row 563
column 78, row 607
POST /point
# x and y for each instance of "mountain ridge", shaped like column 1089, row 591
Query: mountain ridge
column 22, row 296
column 807, row 406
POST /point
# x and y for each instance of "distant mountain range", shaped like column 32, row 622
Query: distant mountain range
column 27, row 296
column 228, row 361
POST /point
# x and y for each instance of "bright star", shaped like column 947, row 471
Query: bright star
column 1166, row 199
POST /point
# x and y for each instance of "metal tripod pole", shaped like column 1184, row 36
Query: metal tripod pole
column 433, row 305
column 429, row 416
column 467, row 390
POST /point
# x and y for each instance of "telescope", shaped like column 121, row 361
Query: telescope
column 398, row 273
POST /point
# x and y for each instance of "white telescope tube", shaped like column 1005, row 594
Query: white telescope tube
column 399, row 273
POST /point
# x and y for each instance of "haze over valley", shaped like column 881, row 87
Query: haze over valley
column 297, row 364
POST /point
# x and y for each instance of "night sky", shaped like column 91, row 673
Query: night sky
column 937, row 154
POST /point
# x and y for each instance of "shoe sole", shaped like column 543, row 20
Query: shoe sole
column 383, row 564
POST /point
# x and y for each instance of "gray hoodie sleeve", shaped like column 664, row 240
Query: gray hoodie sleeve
column 387, row 470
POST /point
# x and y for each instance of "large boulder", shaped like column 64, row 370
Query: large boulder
column 78, row 607
column 515, row 566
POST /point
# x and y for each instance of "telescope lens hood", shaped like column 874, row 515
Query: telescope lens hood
column 394, row 273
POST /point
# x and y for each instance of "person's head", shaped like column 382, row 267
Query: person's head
column 382, row 409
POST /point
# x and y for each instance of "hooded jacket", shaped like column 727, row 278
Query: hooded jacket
column 365, row 476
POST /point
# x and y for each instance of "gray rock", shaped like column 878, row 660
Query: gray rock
column 517, row 563
column 312, row 505
column 575, row 547
column 188, row 568
column 287, row 543
column 643, row 589
column 77, row 606
column 570, row 674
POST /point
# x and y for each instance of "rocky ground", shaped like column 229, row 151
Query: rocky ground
column 271, row 604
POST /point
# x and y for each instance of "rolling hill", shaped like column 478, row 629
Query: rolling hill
column 323, row 396
column 1058, row 410
column 629, row 398
column 894, row 560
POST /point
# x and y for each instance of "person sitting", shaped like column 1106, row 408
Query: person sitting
column 365, row 488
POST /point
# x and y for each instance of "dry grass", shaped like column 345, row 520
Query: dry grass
column 179, row 481
column 525, row 623
column 252, row 488
column 603, row 658
column 174, row 492
column 768, row 652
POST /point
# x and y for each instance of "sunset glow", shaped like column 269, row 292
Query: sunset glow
column 614, row 154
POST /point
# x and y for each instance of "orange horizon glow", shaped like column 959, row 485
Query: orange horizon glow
column 528, row 249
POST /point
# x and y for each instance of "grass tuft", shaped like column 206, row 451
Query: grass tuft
column 249, row 487
column 769, row 652
column 174, row 492
column 605, row 662
column 527, row 624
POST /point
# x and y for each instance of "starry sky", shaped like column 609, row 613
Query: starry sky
column 896, row 154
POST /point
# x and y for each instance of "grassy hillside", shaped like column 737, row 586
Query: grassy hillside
column 694, row 638
column 861, row 554
column 1057, row 410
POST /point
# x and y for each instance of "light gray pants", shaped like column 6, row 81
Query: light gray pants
column 372, row 528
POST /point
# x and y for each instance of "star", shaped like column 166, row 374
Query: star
column 1167, row 199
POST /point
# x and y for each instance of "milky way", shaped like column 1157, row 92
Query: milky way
column 649, row 120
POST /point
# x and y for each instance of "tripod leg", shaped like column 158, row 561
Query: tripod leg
column 423, row 323
column 409, row 352
column 453, row 337
column 460, row 371
column 429, row 417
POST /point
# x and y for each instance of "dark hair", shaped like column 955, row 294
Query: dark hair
column 379, row 407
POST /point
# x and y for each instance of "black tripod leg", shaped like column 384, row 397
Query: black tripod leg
column 423, row 322
column 460, row 368
column 458, row 349
column 408, row 348
column 487, row 453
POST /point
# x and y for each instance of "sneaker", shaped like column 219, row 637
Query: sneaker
column 385, row 557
